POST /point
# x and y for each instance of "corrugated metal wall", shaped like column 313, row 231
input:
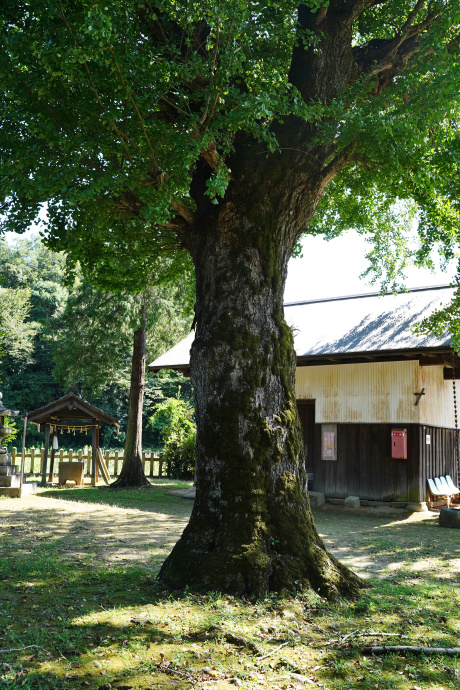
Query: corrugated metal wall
column 437, row 405
column 378, row 392
column 381, row 392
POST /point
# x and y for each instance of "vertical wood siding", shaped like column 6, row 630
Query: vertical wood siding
column 365, row 468
column 438, row 458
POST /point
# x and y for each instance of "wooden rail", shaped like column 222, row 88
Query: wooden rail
column 152, row 462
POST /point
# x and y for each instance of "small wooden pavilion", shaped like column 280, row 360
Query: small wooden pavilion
column 71, row 413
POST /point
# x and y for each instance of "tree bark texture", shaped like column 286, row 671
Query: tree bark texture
column 132, row 473
column 251, row 528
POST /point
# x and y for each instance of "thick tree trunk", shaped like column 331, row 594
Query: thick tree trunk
column 251, row 528
column 132, row 473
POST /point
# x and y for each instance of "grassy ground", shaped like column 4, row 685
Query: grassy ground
column 79, row 606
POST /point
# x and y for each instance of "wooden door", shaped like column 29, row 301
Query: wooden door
column 307, row 419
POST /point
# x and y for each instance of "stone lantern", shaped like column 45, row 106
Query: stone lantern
column 4, row 412
column 10, row 477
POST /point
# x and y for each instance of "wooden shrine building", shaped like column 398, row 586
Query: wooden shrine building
column 71, row 413
column 376, row 402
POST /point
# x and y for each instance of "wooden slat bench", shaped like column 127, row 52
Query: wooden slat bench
column 443, row 487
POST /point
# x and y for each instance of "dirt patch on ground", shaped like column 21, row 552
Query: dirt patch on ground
column 375, row 543
column 109, row 534
column 380, row 542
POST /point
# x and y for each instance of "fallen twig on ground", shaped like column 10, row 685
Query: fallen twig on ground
column 265, row 656
column 366, row 634
column 21, row 649
column 395, row 649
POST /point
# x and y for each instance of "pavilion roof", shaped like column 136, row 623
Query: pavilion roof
column 70, row 408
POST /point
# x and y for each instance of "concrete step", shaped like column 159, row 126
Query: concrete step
column 11, row 480
column 16, row 492
column 7, row 470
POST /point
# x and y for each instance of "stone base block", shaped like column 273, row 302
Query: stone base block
column 191, row 493
column 19, row 492
column 449, row 517
column 352, row 502
column 7, row 470
column 417, row 507
column 10, row 480
column 316, row 498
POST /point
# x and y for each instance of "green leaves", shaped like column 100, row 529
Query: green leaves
column 109, row 109
column 174, row 418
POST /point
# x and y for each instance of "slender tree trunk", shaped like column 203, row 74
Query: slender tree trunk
column 251, row 528
column 132, row 472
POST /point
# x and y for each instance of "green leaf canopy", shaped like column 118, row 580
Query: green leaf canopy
column 109, row 107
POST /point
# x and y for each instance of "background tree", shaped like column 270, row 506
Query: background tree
column 217, row 127
column 80, row 339
column 175, row 420
column 27, row 267
column 101, row 328
column 16, row 332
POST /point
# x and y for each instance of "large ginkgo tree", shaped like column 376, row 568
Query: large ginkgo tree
column 227, row 129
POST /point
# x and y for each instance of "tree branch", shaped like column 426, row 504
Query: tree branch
column 183, row 211
column 128, row 93
column 386, row 57
column 412, row 16
column 352, row 9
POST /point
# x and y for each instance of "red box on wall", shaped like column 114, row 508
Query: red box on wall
column 399, row 444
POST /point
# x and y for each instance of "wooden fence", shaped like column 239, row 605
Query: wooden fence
column 152, row 462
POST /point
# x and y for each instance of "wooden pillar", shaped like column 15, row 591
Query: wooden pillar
column 97, row 455
column 93, row 456
column 53, row 453
column 45, row 455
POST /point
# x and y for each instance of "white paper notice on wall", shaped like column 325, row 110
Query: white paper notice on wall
column 428, row 439
column 329, row 442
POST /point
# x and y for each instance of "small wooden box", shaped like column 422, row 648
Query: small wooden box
column 72, row 471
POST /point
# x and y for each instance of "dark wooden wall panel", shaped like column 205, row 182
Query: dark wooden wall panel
column 346, row 448
column 364, row 463
column 364, row 466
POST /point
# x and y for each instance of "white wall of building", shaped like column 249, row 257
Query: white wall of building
column 377, row 392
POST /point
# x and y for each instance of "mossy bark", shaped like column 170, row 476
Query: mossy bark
column 132, row 473
column 251, row 528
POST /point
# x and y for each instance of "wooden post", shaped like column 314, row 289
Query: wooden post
column 116, row 464
column 32, row 460
column 107, row 459
column 23, row 454
column 13, row 455
column 45, row 455
column 88, row 460
column 151, row 464
column 160, row 466
column 42, row 455
column 97, row 454
column 53, row 453
column 93, row 457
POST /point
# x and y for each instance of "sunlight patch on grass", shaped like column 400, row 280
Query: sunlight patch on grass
column 78, row 595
